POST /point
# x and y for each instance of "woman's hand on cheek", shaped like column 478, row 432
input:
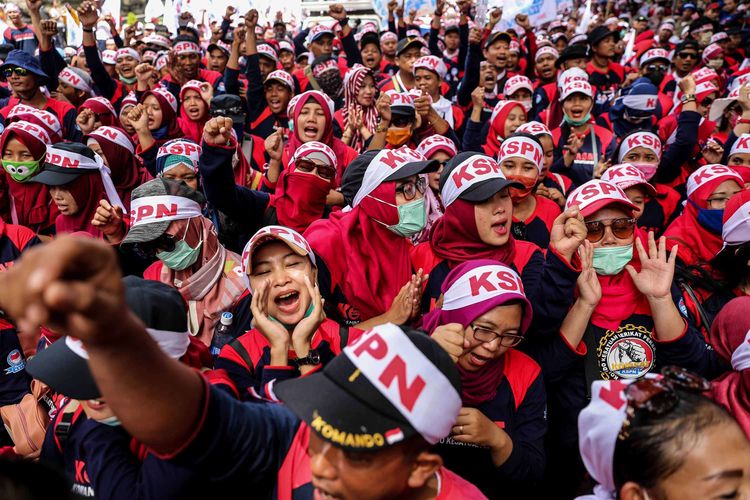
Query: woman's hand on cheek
column 305, row 329
column 273, row 331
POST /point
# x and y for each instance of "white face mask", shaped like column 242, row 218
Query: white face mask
column 715, row 63
column 526, row 105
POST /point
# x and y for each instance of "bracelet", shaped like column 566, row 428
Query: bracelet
column 88, row 30
column 380, row 129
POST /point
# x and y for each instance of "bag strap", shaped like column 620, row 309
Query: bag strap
column 311, row 78
column 247, row 147
column 240, row 349
column 65, row 422
column 698, row 306
column 590, row 361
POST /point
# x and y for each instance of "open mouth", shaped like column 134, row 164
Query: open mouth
column 323, row 495
column 95, row 404
column 310, row 132
column 500, row 227
column 477, row 360
column 287, row 302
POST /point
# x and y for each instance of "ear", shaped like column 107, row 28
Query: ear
column 633, row 491
column 424, row 467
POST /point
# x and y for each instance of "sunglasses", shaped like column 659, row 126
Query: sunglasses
column 622, row 228
column 164, row 243
column 687, row 55
column 485, row 335
column 409, row 189
column 308, row 167
column 658, row 396
column 7, row 72
column 656, row 67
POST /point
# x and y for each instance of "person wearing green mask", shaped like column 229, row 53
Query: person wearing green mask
column 364, row 265
column 291, row 333
column 167, row 222
column 579, row 142
column 23, row 145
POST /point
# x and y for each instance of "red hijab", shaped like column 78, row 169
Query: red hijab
column 87, row 190
column 103, row 110
column 455, row 239
column 697, row 245
column 31, row 204
column 344, row 154
column 729, row 331
column 368, row 261
column 169, row 128
column 126, row 170
column 496, row 133
column 192, row 129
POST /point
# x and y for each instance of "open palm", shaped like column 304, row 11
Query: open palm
column 657, row 269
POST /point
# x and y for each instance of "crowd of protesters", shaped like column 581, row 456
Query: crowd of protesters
column 429, row 259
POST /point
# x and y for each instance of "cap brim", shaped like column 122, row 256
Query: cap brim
column 599, row 204
column 651, row 189
column 64, row 371
column 482, row 191
column 718, row 107
column 414, row 168
column 145, row 232
column 410, row 44
column 55, row 178
column 338, row 415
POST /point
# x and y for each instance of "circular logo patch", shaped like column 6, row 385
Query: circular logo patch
column 626, row 353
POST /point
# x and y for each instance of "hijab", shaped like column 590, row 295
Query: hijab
column 87, row 190
column 103, row 109
column 496, row 132
column 169, row 128
column 192, row 129
column 353, row 83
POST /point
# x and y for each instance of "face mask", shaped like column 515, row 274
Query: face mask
column 129, row 81
column 412, row 218
column 398, row 136
column 110, row 421
column 648, row 169
column 519, row 194
column 526, row 105
column 656, row 77
column 609, row 261
column 183, row 255
column 291, row 125
column 20, row 170
column 711, row 219
column 715, row 63
column 575, row 123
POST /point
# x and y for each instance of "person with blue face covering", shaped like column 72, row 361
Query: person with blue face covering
column 697, row 230
column 638, row 108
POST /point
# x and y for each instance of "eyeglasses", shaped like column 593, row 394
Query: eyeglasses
column 687, row 55
column 409, row 189
column 658, row 396
column 621, row 228
column 718, row 202
column 308, row 167
column 7, row 72
column 485, row 335
column 656, row 67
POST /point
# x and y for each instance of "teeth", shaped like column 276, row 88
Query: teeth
column 286, row 296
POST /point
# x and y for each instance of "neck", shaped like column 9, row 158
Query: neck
column 600, row 62
column 407, row 78
column 580, row 129
column 391, row 58
column 680, row 73
column 525, row 208
column 34, row 98
column 427, row 492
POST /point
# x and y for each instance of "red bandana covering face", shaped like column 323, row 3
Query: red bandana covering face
column 496, row 133
column 729, row 338
column 455, row 237
column 87, row 190
column 368, row 261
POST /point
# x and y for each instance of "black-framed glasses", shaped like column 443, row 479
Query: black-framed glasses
column 7, row 72
column 687, row 55
column 324, row 171
column 622, row 228
column 658, row 396
column 409, row 189
column 485, row 335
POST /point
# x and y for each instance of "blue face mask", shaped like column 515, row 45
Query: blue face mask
column 711, row 219
column 575, row 123
column 609, row 261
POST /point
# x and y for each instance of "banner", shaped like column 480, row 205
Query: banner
column 112, row 7
column 154, row 10
column 539, row 11
column 73, row 31
column 381, row 8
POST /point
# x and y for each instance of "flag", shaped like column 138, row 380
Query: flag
column 154, row 9
column 112, row 7
column 73, row 31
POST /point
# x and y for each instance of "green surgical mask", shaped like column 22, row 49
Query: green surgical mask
column 291, row 327
column 575, row 123
column 412, row 218
column 19, row 171
column 609, row 261
column 129, row 81
column 183, row 255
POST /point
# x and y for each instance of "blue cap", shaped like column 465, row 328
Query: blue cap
column 689, row 6
column 21, row 59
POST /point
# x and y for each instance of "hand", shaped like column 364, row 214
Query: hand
column 108, row 219
column 495, row 16
column 601, row 166
column 275, row 145
column 406, row 305
column 111, row 21
column 34, row 6
column 86, row 120
column 477, row 97
column 138, row 117
column 207, row 92
column 452, row 338
column 218, row 131
column 464, row 6
column 186, row 18
column 355, row 119
column 305, row 329
column 439, row 8
column 392, row 5
column 412, row 15
column 568, row 232
column 337, row 11
column 744, row 98
column 573, row 144
column 475, row 36
column 87, row 14
column 239, row 35
column 589, row 288
column 423, row 105
column 655, row 278
column 72, row 284
column 687, row 85
column 144, row 72
column 383, row 105
column 713, row 151
column 251, row 20
column 522, row 20
column 472, row 426
column 49, row 28
column 629, row 79
column 400, row 9
column 273, row 331
column 279, row 15
column 229, row 12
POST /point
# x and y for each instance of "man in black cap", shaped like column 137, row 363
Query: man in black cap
column 605, row 75
column 360, row 428
column 686, row 57
column 408, row 50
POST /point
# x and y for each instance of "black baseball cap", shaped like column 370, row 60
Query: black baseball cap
column 498, row 35
column 480, row 191
column 57, row 170
column 64, row 365
column 408, row 42
column 347, row 405
column 370, row 37
column 575, row 51
column 354, row 174
column 600, row 33
column 687, row 44
column 228, row 105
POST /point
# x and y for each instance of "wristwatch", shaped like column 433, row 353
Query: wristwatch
column 688, row 98
column 382, row 127
column 312, row 359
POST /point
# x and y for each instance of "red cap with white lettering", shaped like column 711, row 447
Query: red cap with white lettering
column 736, row 228
column 626, row 176
column 703, row 181
column 597, row 194
column 431, row 63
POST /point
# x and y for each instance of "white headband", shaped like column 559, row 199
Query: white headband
column 522, row 147
column 69, row 159
column 481, row 284
column 475, row 169
column 741, row 355
column 646, row 140
column 74, row 80
column 160, row 208
column 386, row 163
column 708, row 173
column 114, row 135
column 741, row 145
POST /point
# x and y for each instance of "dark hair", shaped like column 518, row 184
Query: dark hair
column 658, row 444
column 732, row 263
